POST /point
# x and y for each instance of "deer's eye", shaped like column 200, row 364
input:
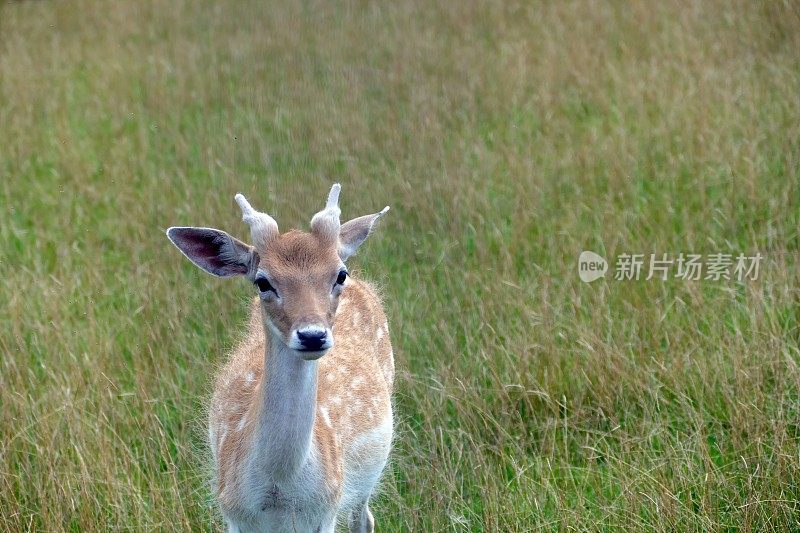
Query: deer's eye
column 264, row 285
column 341, row 277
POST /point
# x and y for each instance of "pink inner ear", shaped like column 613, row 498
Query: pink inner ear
column 206, row 249
column 214, row 251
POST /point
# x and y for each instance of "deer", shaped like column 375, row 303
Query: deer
column 300, row 419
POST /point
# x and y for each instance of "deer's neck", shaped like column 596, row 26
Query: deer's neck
column 289, row 398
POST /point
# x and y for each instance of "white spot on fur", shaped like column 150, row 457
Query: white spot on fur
column 379, row 333
column 357, row 381
column 335, row 400
column 241, row 424
column 250, row 377
column 325, row 418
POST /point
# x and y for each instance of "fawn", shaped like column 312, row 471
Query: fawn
column 300, row 422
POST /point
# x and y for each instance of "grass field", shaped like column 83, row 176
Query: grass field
column 507, row 137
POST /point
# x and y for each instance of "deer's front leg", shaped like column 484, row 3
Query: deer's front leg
column 361, row 520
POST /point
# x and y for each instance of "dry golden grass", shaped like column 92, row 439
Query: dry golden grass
column 507, row 137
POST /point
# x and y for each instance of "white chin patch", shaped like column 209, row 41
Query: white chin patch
column 311, row 356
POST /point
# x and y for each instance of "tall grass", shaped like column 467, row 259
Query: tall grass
column 507, row 137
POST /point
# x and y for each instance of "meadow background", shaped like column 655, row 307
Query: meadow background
column 507, row 137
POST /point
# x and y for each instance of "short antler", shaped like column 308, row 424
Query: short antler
column 333, row 197
column 262, row 226
column 327, row 222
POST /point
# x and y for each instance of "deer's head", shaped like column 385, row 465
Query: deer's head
column 299, row 276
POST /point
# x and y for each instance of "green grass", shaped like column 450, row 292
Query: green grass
column 507, row 137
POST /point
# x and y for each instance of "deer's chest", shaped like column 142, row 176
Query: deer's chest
column 300, row 504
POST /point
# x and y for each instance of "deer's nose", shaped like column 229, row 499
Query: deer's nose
column 312, row 338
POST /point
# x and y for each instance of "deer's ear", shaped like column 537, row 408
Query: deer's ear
column 213, row 250
column 353, row 233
